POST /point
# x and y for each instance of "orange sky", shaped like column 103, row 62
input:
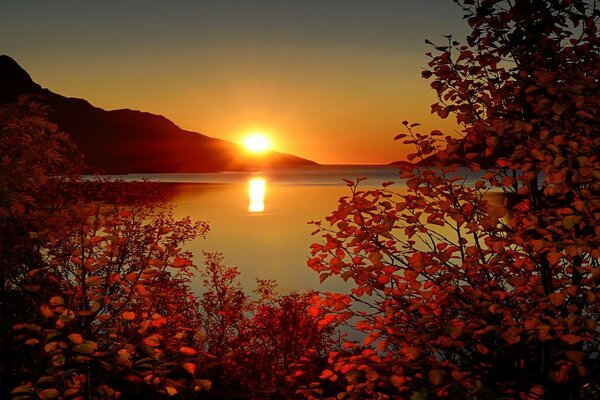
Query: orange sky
column 329, row 81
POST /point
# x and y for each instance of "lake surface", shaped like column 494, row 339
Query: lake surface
column 259, row 220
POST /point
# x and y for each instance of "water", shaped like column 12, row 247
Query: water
column 259, row 220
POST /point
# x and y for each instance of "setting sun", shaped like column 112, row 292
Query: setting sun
column 256, row 143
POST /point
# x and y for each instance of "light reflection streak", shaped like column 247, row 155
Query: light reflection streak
column 256, row 191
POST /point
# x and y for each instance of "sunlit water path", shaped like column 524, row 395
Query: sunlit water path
column 258, row 220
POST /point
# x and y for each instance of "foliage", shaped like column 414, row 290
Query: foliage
column 32, row 151
column 95, row 300
column 116, row 309
column 455, row 298
column 262, row 346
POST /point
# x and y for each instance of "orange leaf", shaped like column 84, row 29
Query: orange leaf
column 553, row 258
column 128, row 315
column 203, row 384
column 152, row 341
column 75, row 338
column 190, row 367
column 57, row 301
column 512, row 335
column 86, row 347
column 49, row 394
column 436, row 376
column 188, row 351
column 572, row 339
column 412, row 353
column 382, row 345
column 46, row 311
column 370, row 338
column 171, row 391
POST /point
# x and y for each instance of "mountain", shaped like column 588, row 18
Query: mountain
column 129, row 141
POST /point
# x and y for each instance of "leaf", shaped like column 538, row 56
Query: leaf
column 481, row 348
column 203, row 384
column 132, row 276
column 128, row 315
column 436, row 376
column 188, row 350
column 46, row 311
column 49, row 394
column 85, row 347
column 179, row 262
column 512, row 335
column 558, row 108
column 94, row 281
column 21, row 389
column 557, row 299
column 152, row 341
column 171, row 391
column 572, row 339
column 75, row 338
column 155, row 262
column 575, row 356
column 125, row 213
column 190, row 368
column 554, row 258
column 382, row 345
column 418, row 396
column 326, row 374
column 412, row 353
column 57, row 301
column 58, row 360
column 571, row 221
column 398, row 381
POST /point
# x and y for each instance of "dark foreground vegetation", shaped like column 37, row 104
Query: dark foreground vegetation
column 454, row 297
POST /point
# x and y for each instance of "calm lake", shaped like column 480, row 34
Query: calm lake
column 259, row 220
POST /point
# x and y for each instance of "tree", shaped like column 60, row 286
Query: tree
column 261, row 346
column 32, row 151
column 95, row 296
column 457, row 299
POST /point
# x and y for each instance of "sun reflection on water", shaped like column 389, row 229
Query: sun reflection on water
column 256, row 191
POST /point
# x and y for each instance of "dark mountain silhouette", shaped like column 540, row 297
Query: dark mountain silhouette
column 128, row 141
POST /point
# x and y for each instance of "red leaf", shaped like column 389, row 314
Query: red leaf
column 179, row 262
column 557, row 299
column 327, row 374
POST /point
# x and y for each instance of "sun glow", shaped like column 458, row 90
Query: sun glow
column 257, row 143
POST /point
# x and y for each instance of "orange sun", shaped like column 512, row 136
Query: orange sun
column 257, row 143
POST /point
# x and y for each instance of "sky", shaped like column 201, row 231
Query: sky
column 328, row 80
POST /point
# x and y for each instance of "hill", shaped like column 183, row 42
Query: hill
column 129, row 141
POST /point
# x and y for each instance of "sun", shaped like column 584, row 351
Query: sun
column 257, row 143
